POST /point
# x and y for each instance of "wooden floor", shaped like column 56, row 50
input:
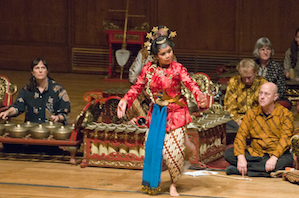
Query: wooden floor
column 20, row 179
column 41, row 177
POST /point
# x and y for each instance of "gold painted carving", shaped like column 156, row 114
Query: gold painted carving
column 110, row 26
column 116, row 164
column 6, row 88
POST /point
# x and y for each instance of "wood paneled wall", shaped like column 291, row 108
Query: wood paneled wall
column 31, row 28
column 209, row 32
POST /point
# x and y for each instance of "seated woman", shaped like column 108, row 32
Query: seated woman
column 42, row 98
column 268, row 68
column 291, row 60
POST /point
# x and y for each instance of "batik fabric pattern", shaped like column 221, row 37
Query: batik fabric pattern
column 174, row 152
column 39, row 107
column 273, row 72
column 239, row 98
column 269, row 134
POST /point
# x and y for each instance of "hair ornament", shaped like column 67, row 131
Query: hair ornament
column 154, row 32
column 165, row 29
column 172, row 34
column 162, row 41
column 149, row 35
column 155, row 29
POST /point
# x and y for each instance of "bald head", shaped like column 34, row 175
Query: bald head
column 270, row 86
column 268, row 95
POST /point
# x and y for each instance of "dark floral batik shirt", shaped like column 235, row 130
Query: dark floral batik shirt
column 273, row 72
column 39, row 107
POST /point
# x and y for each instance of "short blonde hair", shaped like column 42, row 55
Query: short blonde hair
column 246, row 64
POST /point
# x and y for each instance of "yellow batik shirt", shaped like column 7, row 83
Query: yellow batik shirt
column 268, row 134
column 239, row 98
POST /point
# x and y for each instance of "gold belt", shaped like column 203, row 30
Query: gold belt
column 165, row 99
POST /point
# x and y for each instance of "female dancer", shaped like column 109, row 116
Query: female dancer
column 168, row 115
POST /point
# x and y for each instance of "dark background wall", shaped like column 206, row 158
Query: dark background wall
column 210, row 33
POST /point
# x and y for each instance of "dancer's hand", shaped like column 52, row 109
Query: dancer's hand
column 133, row 121
column 121, row 108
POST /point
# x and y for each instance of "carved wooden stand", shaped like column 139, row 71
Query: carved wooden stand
column 126, row 149
column 210, row 144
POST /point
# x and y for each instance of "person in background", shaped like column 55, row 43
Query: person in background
column 167, row 117
column 42, row 99
column 270, row 127
column 291, row 59
column 143, row 56
column 268, row 68
column 242, row 92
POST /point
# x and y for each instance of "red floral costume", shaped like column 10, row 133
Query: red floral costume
column 167, row 80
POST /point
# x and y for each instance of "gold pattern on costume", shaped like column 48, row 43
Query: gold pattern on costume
column 160, row 72
column 150, row 191
column 149, row 79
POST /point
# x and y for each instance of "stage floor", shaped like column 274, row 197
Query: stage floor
column 58, row 179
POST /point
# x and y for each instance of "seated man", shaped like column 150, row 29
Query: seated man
column 270, row 127
column 242, row 92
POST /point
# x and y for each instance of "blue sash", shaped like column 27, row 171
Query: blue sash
column 152, row 166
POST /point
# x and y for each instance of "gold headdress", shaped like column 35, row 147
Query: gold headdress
column 154, row 31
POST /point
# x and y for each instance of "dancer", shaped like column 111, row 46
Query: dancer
column 168, row 115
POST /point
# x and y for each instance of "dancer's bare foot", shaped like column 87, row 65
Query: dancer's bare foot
column 172, row 191
column 73, row 161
